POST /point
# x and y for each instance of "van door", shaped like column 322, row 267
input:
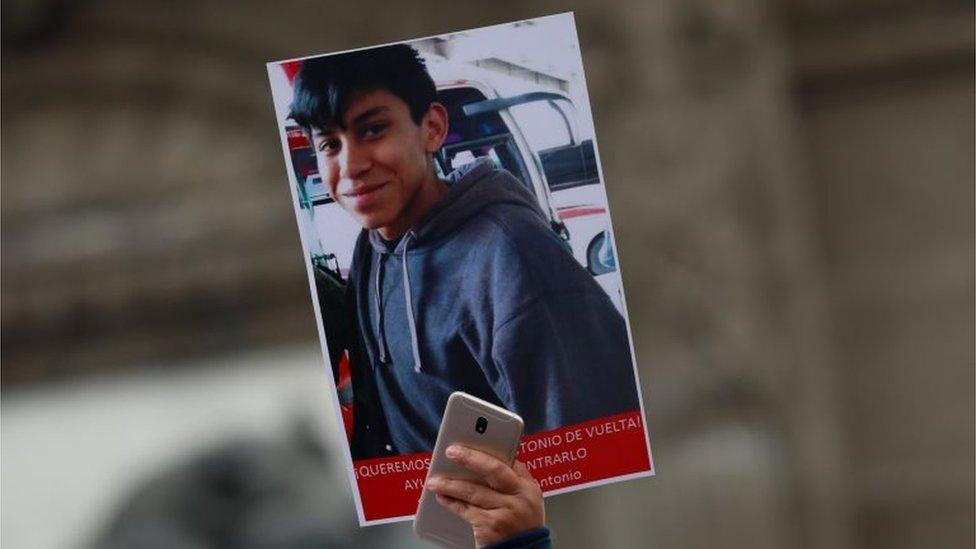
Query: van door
column 547, row 122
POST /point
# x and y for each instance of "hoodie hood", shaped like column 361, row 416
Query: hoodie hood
column 471, row 188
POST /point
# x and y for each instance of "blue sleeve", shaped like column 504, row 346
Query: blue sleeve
column 564, row 358
column 536, row 538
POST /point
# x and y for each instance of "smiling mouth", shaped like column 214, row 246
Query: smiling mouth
column 363, row 191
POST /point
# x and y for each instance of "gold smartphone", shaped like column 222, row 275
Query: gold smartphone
column 477, row 424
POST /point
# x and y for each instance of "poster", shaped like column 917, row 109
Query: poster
column 455, row 228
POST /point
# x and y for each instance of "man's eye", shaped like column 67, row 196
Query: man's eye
column 373, row 130
column 329, row 145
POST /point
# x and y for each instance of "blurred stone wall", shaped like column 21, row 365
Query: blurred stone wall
column 885, row 91
column 792, row 192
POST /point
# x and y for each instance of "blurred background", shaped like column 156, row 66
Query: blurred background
column 792, row 187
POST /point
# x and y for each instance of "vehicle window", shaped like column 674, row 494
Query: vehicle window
column 547, row 126
column 479, row 136
column 542, row 125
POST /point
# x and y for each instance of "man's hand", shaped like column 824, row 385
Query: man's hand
column 509, row 504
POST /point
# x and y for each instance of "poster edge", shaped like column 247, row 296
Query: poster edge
column 613, row 237
column 345, row 448
column 418, row 38
column 333, row 400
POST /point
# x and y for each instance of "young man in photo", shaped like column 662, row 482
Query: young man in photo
column 456, row 283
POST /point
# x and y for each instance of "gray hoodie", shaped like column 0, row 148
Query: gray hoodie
column 482, row 296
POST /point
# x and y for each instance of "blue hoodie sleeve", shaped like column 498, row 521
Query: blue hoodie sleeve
column 561, row 348
column 536, row 538
column 565, row 359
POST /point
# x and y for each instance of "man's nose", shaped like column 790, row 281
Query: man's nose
column 354, row 161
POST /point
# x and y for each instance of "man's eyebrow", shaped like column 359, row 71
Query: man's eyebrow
column 359, row 119
column 320, row 132
column 365, row 115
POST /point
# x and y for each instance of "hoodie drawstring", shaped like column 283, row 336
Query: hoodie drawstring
column 410, row 319
column 378, row 308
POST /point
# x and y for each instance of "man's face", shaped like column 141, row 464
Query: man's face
column 377, row 165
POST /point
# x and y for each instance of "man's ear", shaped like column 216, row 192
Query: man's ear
column 435, row 127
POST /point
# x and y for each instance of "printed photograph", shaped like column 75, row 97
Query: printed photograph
column 457, row 237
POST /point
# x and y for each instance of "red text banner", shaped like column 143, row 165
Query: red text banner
column 592, row 451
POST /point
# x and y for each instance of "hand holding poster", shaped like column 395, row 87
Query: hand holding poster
column 455, row 227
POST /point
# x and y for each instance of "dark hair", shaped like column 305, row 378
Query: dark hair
column 324, row 85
